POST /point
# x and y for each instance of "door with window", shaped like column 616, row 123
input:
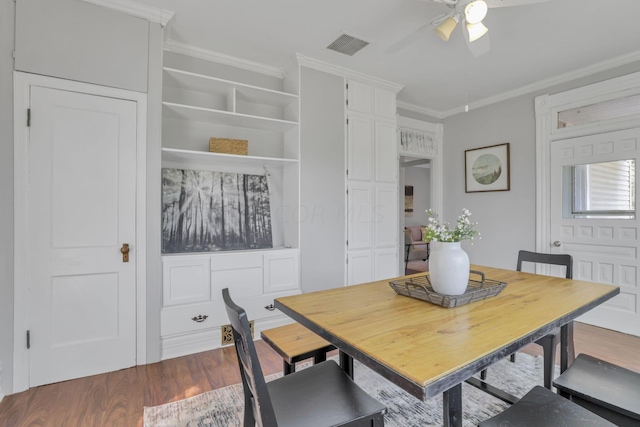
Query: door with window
column 593, row 218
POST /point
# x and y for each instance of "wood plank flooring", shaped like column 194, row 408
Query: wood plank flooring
column 118, row 398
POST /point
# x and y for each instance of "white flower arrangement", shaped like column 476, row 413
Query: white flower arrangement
column 442, row 233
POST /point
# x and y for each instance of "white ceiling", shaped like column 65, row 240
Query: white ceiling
column 529, row 43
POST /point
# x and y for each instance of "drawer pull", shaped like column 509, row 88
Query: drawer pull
column 270, row 307
column 200, row 318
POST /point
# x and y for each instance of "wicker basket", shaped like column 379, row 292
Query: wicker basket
column 229, row 146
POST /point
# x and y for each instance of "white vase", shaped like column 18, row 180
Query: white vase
column 448, row 268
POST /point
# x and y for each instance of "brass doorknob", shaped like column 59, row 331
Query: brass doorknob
column 125, row 252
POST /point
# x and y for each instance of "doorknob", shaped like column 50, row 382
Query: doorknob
column 557, row 243
column 125, row 252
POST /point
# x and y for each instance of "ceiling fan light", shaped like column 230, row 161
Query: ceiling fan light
column 475, row 11
column 476, row 31
column 447, row 26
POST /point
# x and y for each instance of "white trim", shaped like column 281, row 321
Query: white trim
column 221, row 58
column 347, row 73
column 22, row 87
column 1, row 394
column 150, row 13
column 418, row 109
column 546, row 83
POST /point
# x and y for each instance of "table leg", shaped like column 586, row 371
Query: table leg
column 346, row 362
column 452, row 406
column 567, row 350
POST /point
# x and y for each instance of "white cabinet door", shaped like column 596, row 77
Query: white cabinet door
column 385, row 152
column 186, row 279
column 241, row 272
column 281, row 271
column 359, row 211
column 359, row 97
column 386, row 263
column 360, row 267
column 384, row 103
column 385, row 216
column 360, row 148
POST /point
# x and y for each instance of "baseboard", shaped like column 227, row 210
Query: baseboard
column 209, row 339
column 1, row 393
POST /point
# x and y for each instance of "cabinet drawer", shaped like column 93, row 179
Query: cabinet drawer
column 255, row 307
column 178, row 320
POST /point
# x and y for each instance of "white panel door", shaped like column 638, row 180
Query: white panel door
column 384, row 103
column 359, row 211
column 386, row 263
column 386, row 152
column 604, row 249
column 360, row 267
column 360, row 146
column 81, row 210
column 385, row 216
column 359, row 97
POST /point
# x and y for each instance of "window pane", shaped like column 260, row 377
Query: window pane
column 615, row 108
column 604, row 189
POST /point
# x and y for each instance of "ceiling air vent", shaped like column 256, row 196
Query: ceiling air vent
column 347, row 44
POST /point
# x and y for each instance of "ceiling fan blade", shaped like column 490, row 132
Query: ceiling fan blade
column 408, row 39
column 478, row 47
column 504, row 3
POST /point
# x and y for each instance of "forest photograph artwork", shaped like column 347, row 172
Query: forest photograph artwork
column 206, row 211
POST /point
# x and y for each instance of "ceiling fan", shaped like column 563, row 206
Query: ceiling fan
column 469, row 14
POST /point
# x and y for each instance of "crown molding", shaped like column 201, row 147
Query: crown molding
column 553, row 81
column 221, row 58
column 419, row 109
column 150, row 13
column 347, row 73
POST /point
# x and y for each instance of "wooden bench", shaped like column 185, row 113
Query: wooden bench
column 294, row 343
column 603, row 388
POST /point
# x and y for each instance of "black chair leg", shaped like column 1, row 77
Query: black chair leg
column 549, row 349
column 513, row 358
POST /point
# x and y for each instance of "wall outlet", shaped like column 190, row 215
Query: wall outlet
column 227, row 333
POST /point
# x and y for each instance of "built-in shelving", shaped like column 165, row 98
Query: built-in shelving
column 189, row 156
column 210, row 115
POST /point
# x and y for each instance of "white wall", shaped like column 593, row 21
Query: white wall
column 419, row 177
column 322, row 180
column 6, row 193
column 507, row 218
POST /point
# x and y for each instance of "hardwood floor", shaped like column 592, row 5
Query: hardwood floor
column 118, row 398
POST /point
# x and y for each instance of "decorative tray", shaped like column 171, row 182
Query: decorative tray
column 420, row 287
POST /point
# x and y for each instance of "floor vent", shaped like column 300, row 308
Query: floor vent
column 227, row 333
column 347, row 45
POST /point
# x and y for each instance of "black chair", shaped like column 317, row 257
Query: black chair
column 548, row 342
column 543, row 408
column 321, row 395
column 603, row 388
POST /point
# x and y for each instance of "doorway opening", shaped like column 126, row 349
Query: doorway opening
column 415, row 186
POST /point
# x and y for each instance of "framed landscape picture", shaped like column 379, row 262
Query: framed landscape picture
column 487, row 169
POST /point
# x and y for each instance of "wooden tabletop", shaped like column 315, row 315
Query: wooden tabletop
column 425, row 348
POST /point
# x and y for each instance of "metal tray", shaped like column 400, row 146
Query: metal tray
column 420, row 287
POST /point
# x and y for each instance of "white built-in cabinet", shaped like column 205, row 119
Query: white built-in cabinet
column 197, row 106
column 372, row 183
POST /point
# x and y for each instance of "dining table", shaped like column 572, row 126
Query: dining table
column 427, row 349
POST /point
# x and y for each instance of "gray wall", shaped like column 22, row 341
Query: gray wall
column 79, row 41
column 419, row 177
column 507, row 219
column 322, row 180
column 6, row 194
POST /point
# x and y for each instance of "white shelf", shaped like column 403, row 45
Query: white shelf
column 189, row 156
column 209, row 115
column 212, row 85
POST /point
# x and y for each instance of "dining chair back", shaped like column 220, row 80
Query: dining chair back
column 321, row 395
column 551, row 259
column 549, row 341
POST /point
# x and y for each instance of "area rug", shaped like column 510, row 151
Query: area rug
column 224, row 407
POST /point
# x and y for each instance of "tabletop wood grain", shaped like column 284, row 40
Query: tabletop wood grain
column 425, row 348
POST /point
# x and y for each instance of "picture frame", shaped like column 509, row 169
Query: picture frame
column 487, row 169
